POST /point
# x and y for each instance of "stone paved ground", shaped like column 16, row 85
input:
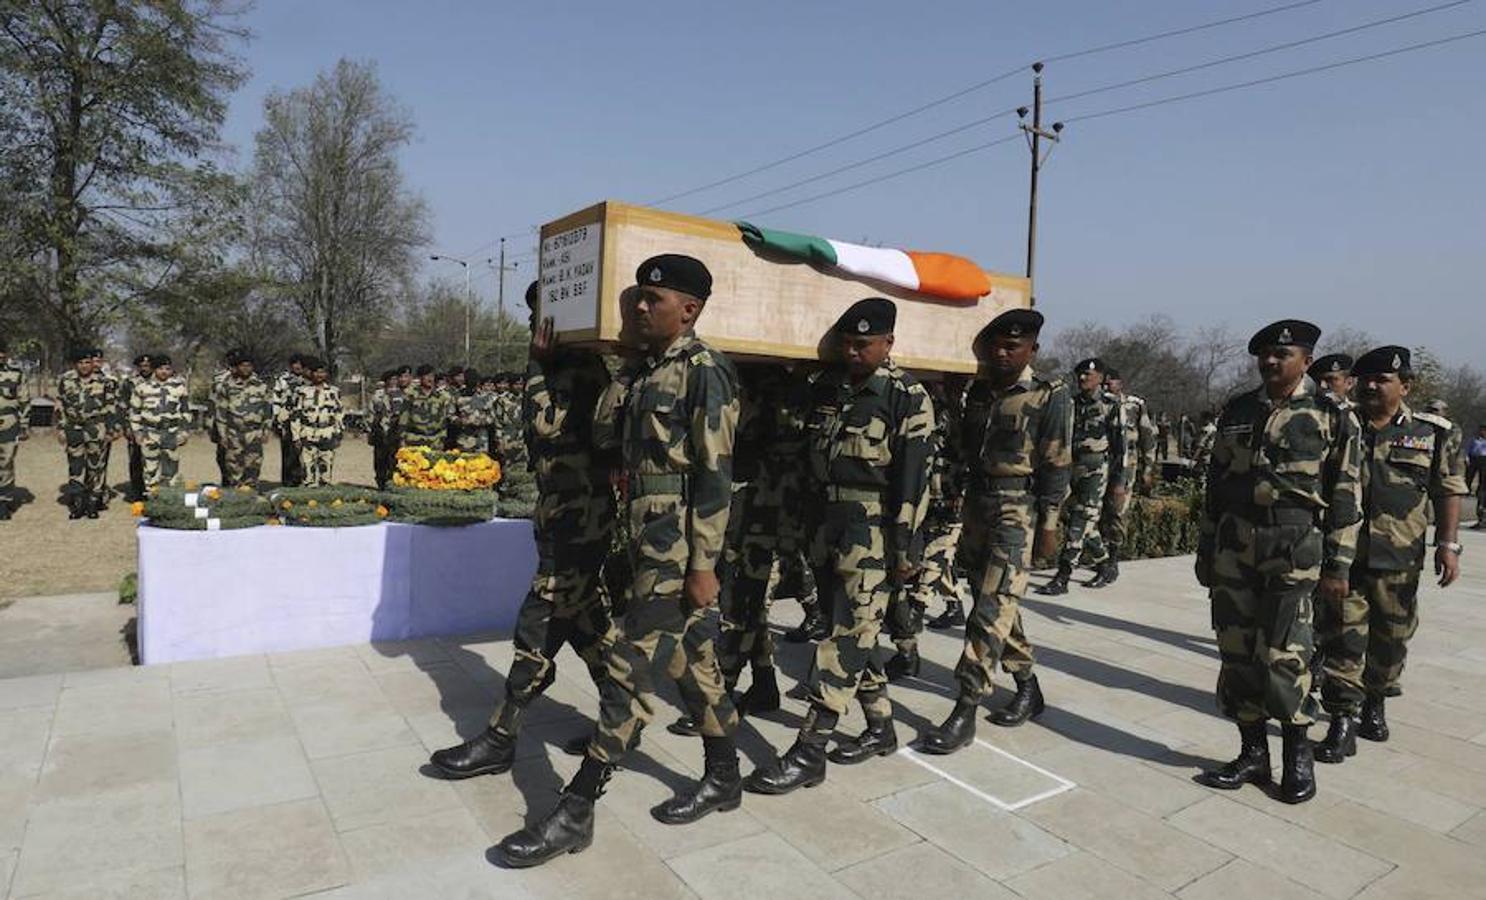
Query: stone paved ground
column 298, row 774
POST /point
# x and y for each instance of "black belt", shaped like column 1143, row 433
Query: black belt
column 670, row 483
column 1001, row 483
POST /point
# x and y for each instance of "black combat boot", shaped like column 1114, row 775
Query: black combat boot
column 4, row 508
column 1374, row 724
column 1251, row 766
column 100, row 503
column 763, row 695
column 878, row 740
column 955, row 732
column 802, row 765
column 1340, row 742
column 720, row 790
column 903, row 664
column 952, row 617
column 1059, row 583
column 1298, row 776
column 75, row 506
column 685, row 726
column 812, row 629
column 568, row 828
column 1026, row 704
column 488, row 753
column 1107, row 573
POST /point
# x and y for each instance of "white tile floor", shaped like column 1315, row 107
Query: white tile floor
column 298, row 774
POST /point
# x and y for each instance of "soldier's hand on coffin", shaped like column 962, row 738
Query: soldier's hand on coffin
column 543, row 340
column 1046, row 544
column 1446, row 565
column 1332, row 590
column 701, row 588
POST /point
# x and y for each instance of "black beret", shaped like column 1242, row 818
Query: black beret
column 244, row 356
column 868, row 318
column 680, row 273
column 96, row 351
column 1092, row 364
column 533, row 293
column 424, row 369
column 456, row 370
column 160, row 359
column 404, row 370
column 1014, row 322
column 1331, row 362
column 1285, row 333
column 313, row 362
column 141, row 358
column 490, row 378
column 1112, row 374
column 296, row 358
column 78, row 354
column 1383, row 361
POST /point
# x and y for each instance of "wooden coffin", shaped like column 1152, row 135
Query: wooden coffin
column 760, row 307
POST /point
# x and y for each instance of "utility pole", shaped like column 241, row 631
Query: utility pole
column 468, row 300
column 1035, row 136
column 500, row 292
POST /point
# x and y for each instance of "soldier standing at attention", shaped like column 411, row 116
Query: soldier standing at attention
column 1203, row 453
column 242, row 410
column 677, row 424
column 89, row 419
column 474, row 412
column 510, row 424
column 159, row 416
column 425, row 412
column 291, row 472
column 143, row 368
column 1280, row 527
column 455, row 388
column 1099, row 476
column 316, row 423
column 1163, row 437
column 870, row 425
column 574, row 523
column 1410, row 462
column 379, row 428
column 1140, row 468
column 1333, row 374
column 213, row 432
column 1016, row 435
column 15, row 402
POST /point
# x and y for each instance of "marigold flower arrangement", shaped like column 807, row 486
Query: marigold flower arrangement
column 424, row 467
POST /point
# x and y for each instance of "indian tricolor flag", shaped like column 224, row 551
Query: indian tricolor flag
column 936, row 274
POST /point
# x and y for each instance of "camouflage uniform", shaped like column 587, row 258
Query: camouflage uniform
column 509, row 430
column 1412, row 460
column 242, row 410
column 15, row 400
column 127, row 385
column 159, row 414
column 1203, row 454
column 474, row 414
column 1140, row 461
column 291, row 466
column 1098, row 466
column 214, row 430
column 1016, row 445
column 424, row 417
column 315, row 426
column 1282, row 511
column 89, row 415
column 676, row 426
column 574, row 524
column 869, row 462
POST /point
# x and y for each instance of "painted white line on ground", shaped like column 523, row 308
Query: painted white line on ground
column 1064, row 784
column 1033, row 766
column 915, row 757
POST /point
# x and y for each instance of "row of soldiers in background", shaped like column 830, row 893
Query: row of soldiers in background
column 458, row 410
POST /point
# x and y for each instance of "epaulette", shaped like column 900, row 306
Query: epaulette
column 1131, row 398
column 1436, row 420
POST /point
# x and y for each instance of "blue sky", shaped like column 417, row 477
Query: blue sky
column 1351, row 197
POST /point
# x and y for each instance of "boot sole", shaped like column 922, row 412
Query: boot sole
column 460, row 774
column 1259, row 780
column 720, row 808
column 1330, row 759
column 510, row 863
column 943, row 751
column 1375, row 738
column 774, row 792
column 1295, row 799
column 1012, row 723
column 889, row 751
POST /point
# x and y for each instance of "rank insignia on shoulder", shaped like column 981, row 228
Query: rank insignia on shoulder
column 699, row 357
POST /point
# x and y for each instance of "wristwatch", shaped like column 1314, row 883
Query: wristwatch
column 1453, row 547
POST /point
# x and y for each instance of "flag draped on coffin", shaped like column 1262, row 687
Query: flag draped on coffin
column 936, row 274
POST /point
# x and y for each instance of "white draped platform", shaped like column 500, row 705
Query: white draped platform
column 205, row 594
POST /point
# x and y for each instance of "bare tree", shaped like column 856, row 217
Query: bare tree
column 336, row 225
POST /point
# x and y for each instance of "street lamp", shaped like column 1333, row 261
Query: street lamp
column 500, row 292
column 468, row 303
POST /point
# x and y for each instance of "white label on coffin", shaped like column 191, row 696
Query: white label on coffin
column 570, row 277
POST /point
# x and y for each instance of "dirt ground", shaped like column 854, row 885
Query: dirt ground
column 43, row 553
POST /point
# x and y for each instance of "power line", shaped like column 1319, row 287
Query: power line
column 1273, row 78
column 1288, row 45
column 980, row 85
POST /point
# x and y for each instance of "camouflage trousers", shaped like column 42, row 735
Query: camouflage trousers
column 136, row 470
column 1112, row 520
column 1364, row 640
column 754, row 542
column 242, row 457
column 661, row 630
column 7, row 467
column 291, row 463
column 850, row 561
column 1082, row 512
column 935, row 580
column 996, row 548
column 316, row 464
column 160, row 455
column 473, row 440
column 87, row 461
column 1263, row 580
column 384, row 458
column 563, row 606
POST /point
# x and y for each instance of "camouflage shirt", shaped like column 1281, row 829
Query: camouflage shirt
column 242, row 405
column 876, row 435
column 1140, row 437
column 1298, row 452
column 1018, row 439
column 1099, row 433
column 283, row 397
column 425, row 414
column 679, row 419
column 1411, row 460
column 15, row 400
column 947, row 466
column 88, row 402
column 561, row 396
column 315, row 418
column 161, row 407
column 1203, row 453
